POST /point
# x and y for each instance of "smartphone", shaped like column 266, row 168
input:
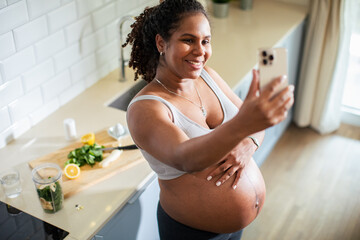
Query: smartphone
column 272, row 64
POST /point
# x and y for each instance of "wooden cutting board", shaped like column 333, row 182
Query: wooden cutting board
column 92, row 175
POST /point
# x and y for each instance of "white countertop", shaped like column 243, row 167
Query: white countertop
column 235, row 42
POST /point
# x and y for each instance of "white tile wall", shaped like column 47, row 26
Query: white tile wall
column 82, row 27
column 12, row 1
column 41, row 7
column 72, row 92
column 18, row 63
column 104, row 54
column 55, row 86
column 10, row 91
column 104, row 16
column 51, row 51
column 14, row 131
column 50, row 45
column 83, row 68
column 8, row 41
column 23, row 106
column 5, row 121
column 13, row 16
column 62, row 16
column 67, row 57
column 44, row 111
column 30, row 32
column 3, row 3
column 87, row 6
column 37, row 75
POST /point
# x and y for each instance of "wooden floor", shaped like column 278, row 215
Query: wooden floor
column 313, row 187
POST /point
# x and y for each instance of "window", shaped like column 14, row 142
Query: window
column 351, row 97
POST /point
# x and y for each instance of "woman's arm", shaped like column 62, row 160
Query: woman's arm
column 152, row 129
column 234, row 98
column 237, row 158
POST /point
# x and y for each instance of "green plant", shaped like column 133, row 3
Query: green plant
column 221, row 1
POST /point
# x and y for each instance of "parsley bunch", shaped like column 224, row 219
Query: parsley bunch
column 87, row 154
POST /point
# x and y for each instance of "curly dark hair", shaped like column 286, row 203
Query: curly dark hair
column 162, row 19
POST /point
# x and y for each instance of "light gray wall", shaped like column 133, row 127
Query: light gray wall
column 51, row 51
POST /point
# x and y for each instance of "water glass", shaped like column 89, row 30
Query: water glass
column 10, row 182
column 48, row 179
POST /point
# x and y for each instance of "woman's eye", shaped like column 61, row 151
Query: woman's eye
column 206, row 41
column 188, row 40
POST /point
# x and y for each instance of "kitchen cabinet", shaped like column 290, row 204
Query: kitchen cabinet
column 137, row 219
column 294, row 43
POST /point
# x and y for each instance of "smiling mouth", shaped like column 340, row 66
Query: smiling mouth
column 195, row 63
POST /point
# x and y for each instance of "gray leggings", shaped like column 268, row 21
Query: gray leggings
column 170, row 229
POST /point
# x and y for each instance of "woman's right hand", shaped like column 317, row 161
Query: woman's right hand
column 260, row 111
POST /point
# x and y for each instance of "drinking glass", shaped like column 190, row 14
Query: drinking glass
column 10, row 182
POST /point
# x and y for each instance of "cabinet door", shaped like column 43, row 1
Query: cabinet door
column 137, row 219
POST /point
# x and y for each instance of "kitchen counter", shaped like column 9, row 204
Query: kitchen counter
column 235, row 42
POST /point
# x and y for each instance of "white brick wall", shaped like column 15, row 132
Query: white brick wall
column 23, row 106
column 5, row 121
column 18, row 63
column 40, row 7
column 10, row 91
column 13, row 16
column 51, row 51
column 30, row 32
column 62, row 16
column 50, row 45
column 37, row 75
column 8, row 41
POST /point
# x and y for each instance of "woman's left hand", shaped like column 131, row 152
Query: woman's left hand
column 233, row 163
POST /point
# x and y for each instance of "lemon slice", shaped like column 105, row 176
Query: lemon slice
column 88, row 138
column 72, row 171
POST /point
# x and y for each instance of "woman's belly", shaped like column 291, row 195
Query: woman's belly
column 196, row 202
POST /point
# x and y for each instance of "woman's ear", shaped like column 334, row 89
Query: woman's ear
column 160, row 43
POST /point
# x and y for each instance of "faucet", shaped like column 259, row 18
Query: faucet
column 122, row 61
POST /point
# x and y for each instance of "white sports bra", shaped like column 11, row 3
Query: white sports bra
column 189, row 127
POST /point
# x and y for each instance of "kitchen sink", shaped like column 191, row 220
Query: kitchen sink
column 122, row 102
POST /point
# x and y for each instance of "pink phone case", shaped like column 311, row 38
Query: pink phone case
column 272, row 64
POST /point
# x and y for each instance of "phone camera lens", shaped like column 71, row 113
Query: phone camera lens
column 265, row 62
column 264, row 54
column 271, row 57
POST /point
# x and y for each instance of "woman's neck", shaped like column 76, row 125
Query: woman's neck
column 174, row 82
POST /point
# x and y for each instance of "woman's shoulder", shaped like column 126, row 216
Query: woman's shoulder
column 148, row 100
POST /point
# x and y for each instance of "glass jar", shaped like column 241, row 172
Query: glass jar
column 48, row 180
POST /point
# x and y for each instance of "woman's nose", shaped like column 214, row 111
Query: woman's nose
column 199, row 49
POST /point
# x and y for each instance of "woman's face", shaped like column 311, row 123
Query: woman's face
column 189, row 47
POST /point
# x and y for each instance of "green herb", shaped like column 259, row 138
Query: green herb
column 87, row 154
column 51, row 197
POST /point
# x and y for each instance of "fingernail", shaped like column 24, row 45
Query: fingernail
column 209, row 178
column 291, row 88
column 283, row 78
column 218, row 183
column 234, row 187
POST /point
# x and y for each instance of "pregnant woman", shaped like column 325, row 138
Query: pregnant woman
column 196, row 134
